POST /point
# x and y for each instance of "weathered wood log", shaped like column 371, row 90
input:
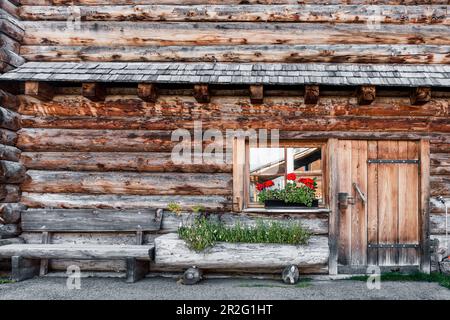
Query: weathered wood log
column 201, row 93
column 366, row 95
column 128, row 183
column 192, row 276
column 290, row 274
column 11, row 26
column 256, row 94
column 9, row 43
column 9, row 230
column 294, row 123
column 88, row 220
column 8, row 137
column 9, row 193
column 440, row 185
column 67, row 251
column 10, row 7
column 255, row 13
column 9, row 153
column 9, row 119
column 74, row 201
column 420, row 95
column 23, row 269
column 39, row 90
column 115, row 161
column 147, row 92
column 11, row 58
column 232, row 107
column 11, row 172
column 316, row 222
column 11, row 212
column 440, row 163
column 171, row 251
column 136, row 269
column 4, row 242
column 9, row 101
column 437, row 224
column 94, row 91
column 209, row 33
column 330, row 53
column 312, row 93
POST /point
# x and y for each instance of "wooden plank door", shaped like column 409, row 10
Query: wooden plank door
column 382, row 226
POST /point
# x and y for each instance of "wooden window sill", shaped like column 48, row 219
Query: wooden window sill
column 281, row 210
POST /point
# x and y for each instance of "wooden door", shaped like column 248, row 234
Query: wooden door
column 380, row 226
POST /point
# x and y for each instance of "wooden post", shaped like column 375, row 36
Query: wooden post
column 43, row 270
column 333, row 228
column 94, row 91
column 39, row 90
column 366, row 95
column 22, row 269
column 256, row 94
column 201, row 93
column 312, row 93
column 136, row 269
column 147, row 92
column 425, row 258
column 420, row 95
column 238, row 173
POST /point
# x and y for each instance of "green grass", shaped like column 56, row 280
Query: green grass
column 5, row 281
column 441, row 279
column 204, row 233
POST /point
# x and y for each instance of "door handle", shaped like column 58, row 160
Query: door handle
column 360, row 193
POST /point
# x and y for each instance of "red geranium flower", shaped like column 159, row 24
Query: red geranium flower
column 268, row 183
column 310, row 183
column 260, row 186
column 291, row 176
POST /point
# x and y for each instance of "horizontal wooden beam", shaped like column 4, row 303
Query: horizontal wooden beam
column 12, row 172
column 335, row 53
column 366, row 95
column 147, row 92
column 201, row 93
column 209, row 33
column 312, row 93
column 39, row 90
column 420, row 95
column 256, row 94
column 241, row 13
column 94, row 91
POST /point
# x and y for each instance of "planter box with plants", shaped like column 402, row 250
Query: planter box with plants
column 266, row 245
column 299, row 193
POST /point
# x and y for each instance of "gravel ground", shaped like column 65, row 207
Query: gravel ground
column 218, row 289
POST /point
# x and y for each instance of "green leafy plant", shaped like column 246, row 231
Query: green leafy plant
column 174, row 207
column 204, row 233
column 198, row 209
column 302, row 191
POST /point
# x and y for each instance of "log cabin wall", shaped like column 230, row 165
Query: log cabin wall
column 116, row 153
column 12, row 173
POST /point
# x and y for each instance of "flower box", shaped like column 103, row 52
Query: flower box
column 282, row 204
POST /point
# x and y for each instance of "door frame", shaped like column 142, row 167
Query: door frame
column 332, row 176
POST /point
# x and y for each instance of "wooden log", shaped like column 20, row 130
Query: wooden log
column 440, row 164
column 171, row 251
column 366, row 95
column 8, row 137
column 440, row 185
column 115, row 161
column 39, row 90
column 75, row 201
column 210, row 33
column 312, row 93
column 201, row 93
column 136, row 269
column 420, row 95
column 11, row 172
column 88, row 220
column 23, row 269
column 10, row 26
column 304, row 53
column 10, row 7
column 9, row 101
column 128, row 183
column 9, row 231
column 294, row 123
column 94, row 91
column 241, row 13
column 64, row 251
column 11, row 212
column 437, row 224
column 256, row 94
column 9, row 119
column 11, row 58
column 4, row 242
column 9, row 193
column 9, row 43
column 9, row 153
column 147, row 92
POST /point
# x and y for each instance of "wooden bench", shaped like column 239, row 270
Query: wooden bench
column 29, row 260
